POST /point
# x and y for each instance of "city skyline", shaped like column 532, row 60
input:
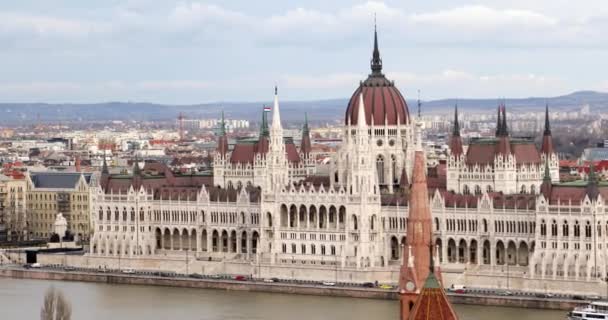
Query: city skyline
column 195, row 51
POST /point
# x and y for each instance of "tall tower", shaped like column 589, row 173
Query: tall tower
column 278, row 167
column 456, row 157
column 547, row 151
column 416, row 255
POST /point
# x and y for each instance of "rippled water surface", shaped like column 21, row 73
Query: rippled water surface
column 21, row 299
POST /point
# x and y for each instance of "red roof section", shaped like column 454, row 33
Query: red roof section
column 483, row 153
column 382, row 103
column 245, row 152
column 433, row 304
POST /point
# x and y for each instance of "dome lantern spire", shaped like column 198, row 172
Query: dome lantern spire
column 376, row 62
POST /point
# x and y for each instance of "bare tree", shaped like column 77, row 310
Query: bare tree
column 55, row 306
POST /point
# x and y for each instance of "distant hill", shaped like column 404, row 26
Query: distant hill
column 319, row 110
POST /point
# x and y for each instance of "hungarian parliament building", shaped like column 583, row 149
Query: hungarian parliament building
column 501, row 217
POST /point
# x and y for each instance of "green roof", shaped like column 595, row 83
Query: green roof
column 431, row 282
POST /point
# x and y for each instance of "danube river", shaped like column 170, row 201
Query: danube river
column 21, row 299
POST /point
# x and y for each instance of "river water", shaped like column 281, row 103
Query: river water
column 21, row 299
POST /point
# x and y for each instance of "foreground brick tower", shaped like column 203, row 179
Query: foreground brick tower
column 416, row 253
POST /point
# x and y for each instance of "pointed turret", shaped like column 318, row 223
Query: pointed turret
column 404, row 181
column 547, row 185
column 105, row 173
column 264, row 126
column 498, row 122
column 104, row 167
column 276, row 114
column 222, row 140
column 416, row 255
column 137, row 175
column 361, row 123
column 305, row 146
column 504, row 144
column 456, row 140
column 547, row 146
column 504, row 128
column 376, row 62
column 592, row 188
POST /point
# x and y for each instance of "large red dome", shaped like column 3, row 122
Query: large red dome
column 383, row 101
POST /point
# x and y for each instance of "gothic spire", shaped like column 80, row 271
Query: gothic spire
column 104, row 168
column 547, row 176
column 547, row 124
column 222, row 125
column 498, row 122
column 136, row 169
column 456, row 131
column 264, row 126
column 305, row 129
column 505, row 130
column 592, row 188
column 276, row 115
column 376, row 62
column 305, row 146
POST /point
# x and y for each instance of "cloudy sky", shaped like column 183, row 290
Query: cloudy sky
column 236, row 50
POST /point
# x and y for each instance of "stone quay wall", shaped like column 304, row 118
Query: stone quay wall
column 283, row 288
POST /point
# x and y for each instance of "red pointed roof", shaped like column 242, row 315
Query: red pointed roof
column 432, row 302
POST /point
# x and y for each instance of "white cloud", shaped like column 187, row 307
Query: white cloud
column 45, row 26
column 188, row 15
column 483, row 18
column 67, row 88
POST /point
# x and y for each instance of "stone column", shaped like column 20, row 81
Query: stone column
column 492, row 254
column 248, row 240
column 162, row 239
column 239, row 245
column 181, row 241
column 198, row 240
column 171, row 238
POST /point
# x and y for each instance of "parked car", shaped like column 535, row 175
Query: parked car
column 578, row 297
column 369, row 284
column 459, row 291
column 128, row 271
column 505, row 293
column 240, row 278
column 385, row 286
column 594, row 298
column 455, row 287
column 36, row 265
column 69, row 268
column 269, row 280
column 329, row 283
column 196, row 276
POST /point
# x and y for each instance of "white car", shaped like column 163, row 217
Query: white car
column 269, row 280
column 128, row 271
column 328, row 283
column 36, row 265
